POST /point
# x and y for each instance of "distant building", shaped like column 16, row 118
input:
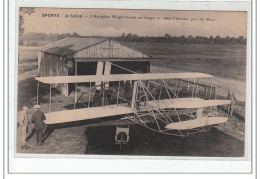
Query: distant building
column 89, row 56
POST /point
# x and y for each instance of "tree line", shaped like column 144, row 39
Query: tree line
column 167, row 38
column 49, row 37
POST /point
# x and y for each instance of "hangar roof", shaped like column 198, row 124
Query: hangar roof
column 70, row 45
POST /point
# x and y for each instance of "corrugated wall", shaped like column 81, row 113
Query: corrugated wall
column 52, row 65
column 109, row 50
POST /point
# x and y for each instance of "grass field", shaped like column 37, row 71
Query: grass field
column 227, row 63
column 218, row 60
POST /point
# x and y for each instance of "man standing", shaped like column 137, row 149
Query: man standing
column 24, row 122
column 96, row 99
column 233, row 100
column 38, row 118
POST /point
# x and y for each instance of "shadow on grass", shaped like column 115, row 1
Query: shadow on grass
column 87, row 123
column 31, row 135
column 100, row 140
column 46, row 134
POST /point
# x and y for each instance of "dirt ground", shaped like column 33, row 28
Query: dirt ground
column 225, row 140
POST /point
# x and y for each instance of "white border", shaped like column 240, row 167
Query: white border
column 86, row 164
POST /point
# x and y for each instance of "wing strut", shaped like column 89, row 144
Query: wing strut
column 50, row 100
column 134, row 95
column 89, row 94
column 211, row 89
column 123, row 68
column 76, row 84
column 38, row 84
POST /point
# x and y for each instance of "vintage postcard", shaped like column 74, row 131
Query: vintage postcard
column 131, row 82
column 126, row 82
column 126, row 87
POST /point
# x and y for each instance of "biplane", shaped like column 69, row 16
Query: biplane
column 155, row 101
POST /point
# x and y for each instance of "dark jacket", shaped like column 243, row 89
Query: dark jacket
column 38, row 118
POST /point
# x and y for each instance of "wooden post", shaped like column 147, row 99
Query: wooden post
column 161, row 93
column 197, row 88
column 89, row 94
column 107, row 72
column 50, row 100
column 148, row 88
column 38, row 84
column 193, row 88
column 100, row 65
column 117, row 93
column 134, row 95
column 188, row 86
column 210, row 88
column 75, row 96
column 76, row 68
column 76, row 74
column 39, row 60
column 178, row 87
column 103, row 95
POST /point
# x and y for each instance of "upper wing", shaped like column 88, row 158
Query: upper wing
column 119, row 77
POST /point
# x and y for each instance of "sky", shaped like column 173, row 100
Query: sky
column 100, row 22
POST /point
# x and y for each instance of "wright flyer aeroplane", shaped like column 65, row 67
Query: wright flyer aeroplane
column 168, row 103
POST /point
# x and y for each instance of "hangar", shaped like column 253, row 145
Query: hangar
column 89, row 56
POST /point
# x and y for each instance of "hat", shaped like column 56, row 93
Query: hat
column 37, row 107
column 25, row 108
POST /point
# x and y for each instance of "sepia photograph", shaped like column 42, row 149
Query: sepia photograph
column 131, row 82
